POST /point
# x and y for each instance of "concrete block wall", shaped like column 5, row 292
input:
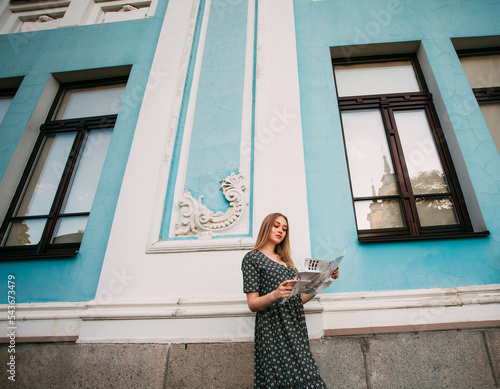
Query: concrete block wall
column 438, row 359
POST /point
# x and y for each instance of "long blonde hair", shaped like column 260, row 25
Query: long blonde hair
column 283, row 248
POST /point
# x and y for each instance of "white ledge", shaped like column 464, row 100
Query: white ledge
column 196, row 319
column 189, row 245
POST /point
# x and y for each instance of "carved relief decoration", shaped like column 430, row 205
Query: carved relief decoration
column 197, row 220
column 44, row 19
column 128, row 8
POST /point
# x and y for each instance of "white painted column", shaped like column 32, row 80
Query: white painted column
column 280, row 182
column 76, row 13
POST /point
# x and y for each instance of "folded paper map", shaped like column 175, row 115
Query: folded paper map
column 316, row 276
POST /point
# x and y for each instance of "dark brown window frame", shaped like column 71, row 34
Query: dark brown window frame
column 82, row 126
column 387, row 104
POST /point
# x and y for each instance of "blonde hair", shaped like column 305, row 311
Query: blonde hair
column 283, row 248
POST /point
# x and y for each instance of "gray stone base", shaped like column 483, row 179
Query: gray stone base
column 441, row 359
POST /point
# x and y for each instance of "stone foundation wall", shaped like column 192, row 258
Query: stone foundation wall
column 439, row 359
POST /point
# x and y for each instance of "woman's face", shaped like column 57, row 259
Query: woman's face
column 278, row 230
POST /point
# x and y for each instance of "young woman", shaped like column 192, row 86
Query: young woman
column 282, row 355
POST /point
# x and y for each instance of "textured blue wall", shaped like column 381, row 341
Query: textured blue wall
column 214, row 149
column 405, row 265
column 35, row 55
column 215, row 141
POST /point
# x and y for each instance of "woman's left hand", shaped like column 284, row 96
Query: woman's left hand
column 335, row 274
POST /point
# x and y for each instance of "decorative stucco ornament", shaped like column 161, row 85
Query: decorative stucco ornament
column 44, row 19
column 127, row 8
column 197, row 220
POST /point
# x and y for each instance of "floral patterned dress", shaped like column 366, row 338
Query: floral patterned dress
column 282, row 355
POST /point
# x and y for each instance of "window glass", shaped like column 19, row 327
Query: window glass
column 368, row 154
column 378, row 214
column 4, row 106
column 491, row 113
column 483, row 70
column 44, row 181
column 70, row 229
column 421, row 155
column 376, row 78
column 25, row 232
column 438, row 211
column 84, row 184
column 94, row 101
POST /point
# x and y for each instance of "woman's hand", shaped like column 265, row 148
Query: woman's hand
column 259, row 303
column 283, row 291
column 308, row 297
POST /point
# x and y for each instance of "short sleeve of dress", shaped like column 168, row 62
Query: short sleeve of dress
column 250, row 271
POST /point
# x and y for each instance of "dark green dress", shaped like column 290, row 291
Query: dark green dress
column 282, row 355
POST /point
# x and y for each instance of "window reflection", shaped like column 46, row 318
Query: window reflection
column 367, row 149
column 40, row 192
column 84, row 184
column 438, row 211
column 26, row 232
column 421, row 155
column 70, row 229
column 378, row 214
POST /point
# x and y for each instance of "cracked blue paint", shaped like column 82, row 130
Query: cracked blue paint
column 215, row 141
column 404, row 265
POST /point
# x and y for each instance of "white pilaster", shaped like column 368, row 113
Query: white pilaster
column 280, row 180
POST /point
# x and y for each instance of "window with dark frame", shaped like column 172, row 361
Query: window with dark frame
column 49, row 211
column 6, row 97
column 482, row 68
column 403, row 183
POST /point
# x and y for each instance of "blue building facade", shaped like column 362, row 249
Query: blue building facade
column 35, row 56
column 234, row 109
column 435, row 27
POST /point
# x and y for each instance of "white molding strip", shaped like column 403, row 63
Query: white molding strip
column 411, row 310
column 184, row 246
column 188, row 124
column 229, row 319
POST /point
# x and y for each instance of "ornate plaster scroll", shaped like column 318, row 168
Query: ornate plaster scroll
column 197, row 220
column 44, row 19
column 128, row 8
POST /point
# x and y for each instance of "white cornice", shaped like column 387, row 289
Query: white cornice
column 229, row 319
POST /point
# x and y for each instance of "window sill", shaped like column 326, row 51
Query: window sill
column 405, row 238
column 31, row 252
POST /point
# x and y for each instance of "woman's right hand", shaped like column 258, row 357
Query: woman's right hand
column 283, row 291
